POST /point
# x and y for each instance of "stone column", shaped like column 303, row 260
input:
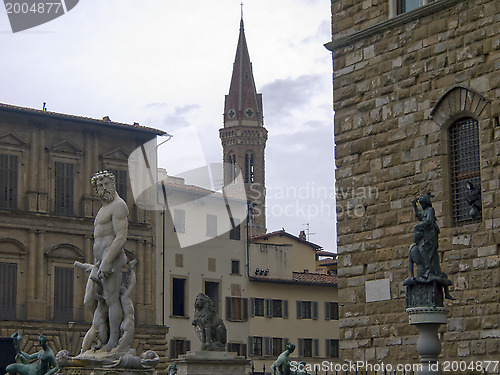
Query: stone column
column 31, row 276
column 32, row 193
column 148, row 282
column 141, row 275
column 427, row 320
column 43, row 165
column 31, row 264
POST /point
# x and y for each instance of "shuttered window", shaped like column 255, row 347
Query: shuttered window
column 179, row 220
column 121, row 178
column 332, row 348
column 63, row 293
column 8, row 181
column 178, row 347
column 277, row 346
column 64, row 188
column 238, row 348
column 465, row 168
column 211, row 225
column 8, row 290
column 331, row 311
column 236, row 309
column 255, row 344
column 307, row 310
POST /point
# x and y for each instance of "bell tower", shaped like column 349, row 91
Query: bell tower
column 243, row 136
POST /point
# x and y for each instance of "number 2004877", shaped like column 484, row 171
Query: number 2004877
column 25, row 8
column 464, row 366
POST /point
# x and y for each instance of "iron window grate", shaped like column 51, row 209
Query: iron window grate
column 464, row 166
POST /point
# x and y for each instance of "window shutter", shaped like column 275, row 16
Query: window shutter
column 243, row 350
column 327, row 310
column 301, row 347
column 316, row 347
column 285, row 342
column 8, row 181
column 327, row 348
column 252, row 306
column 188, row 345
column 335, row 344
column 267, row 346
column 8, row 290
column 299, row 309
column 335, row 311
column 269, row 308
column 285, row 309
column 250, row 346
column 245, row 308
column 172, row 349
column 315, row 310
column 63, row 293
column 228, row 308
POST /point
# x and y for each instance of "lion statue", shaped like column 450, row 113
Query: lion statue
column 209, row 327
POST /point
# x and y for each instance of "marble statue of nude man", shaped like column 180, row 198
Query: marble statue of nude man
column 110, row 235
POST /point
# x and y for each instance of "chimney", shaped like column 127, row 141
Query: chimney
column 302, row 235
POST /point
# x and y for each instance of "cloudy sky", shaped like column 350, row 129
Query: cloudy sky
column 167, row 64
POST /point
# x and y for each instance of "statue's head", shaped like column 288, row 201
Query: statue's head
column 204, row 302
column 104, row 185
column 290, row 347
column 42, row 339
column 425, row 200
column 172, row 369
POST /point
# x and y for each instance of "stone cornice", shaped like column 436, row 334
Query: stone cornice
column 399, row 20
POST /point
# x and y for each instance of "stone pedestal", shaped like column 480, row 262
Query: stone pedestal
column 104, row 371
column 106, row 363
column 427, row 320
column 208, row 363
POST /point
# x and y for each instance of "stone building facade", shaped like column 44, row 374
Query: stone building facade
column 47, row 210
column 417, row 106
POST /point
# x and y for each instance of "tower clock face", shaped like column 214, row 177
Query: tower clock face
column 231, row 113
column 249, row 112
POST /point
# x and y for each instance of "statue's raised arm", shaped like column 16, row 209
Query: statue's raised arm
column 424, row 252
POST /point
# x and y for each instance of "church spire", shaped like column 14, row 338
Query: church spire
column 244, row 136
column 243, row 104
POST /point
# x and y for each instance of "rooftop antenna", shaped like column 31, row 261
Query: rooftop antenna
column 308, row 232
column 241, row 10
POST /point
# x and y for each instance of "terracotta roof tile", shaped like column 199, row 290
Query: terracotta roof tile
column 315, row 278
column 301, row 278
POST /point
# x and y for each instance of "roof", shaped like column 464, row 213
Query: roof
column 105, row 121
column 325, row 253
column 197, row 190
column 301, row 278
column 327, row 262
column 282, row 232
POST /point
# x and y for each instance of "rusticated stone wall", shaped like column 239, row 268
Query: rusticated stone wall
column 398, row 85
